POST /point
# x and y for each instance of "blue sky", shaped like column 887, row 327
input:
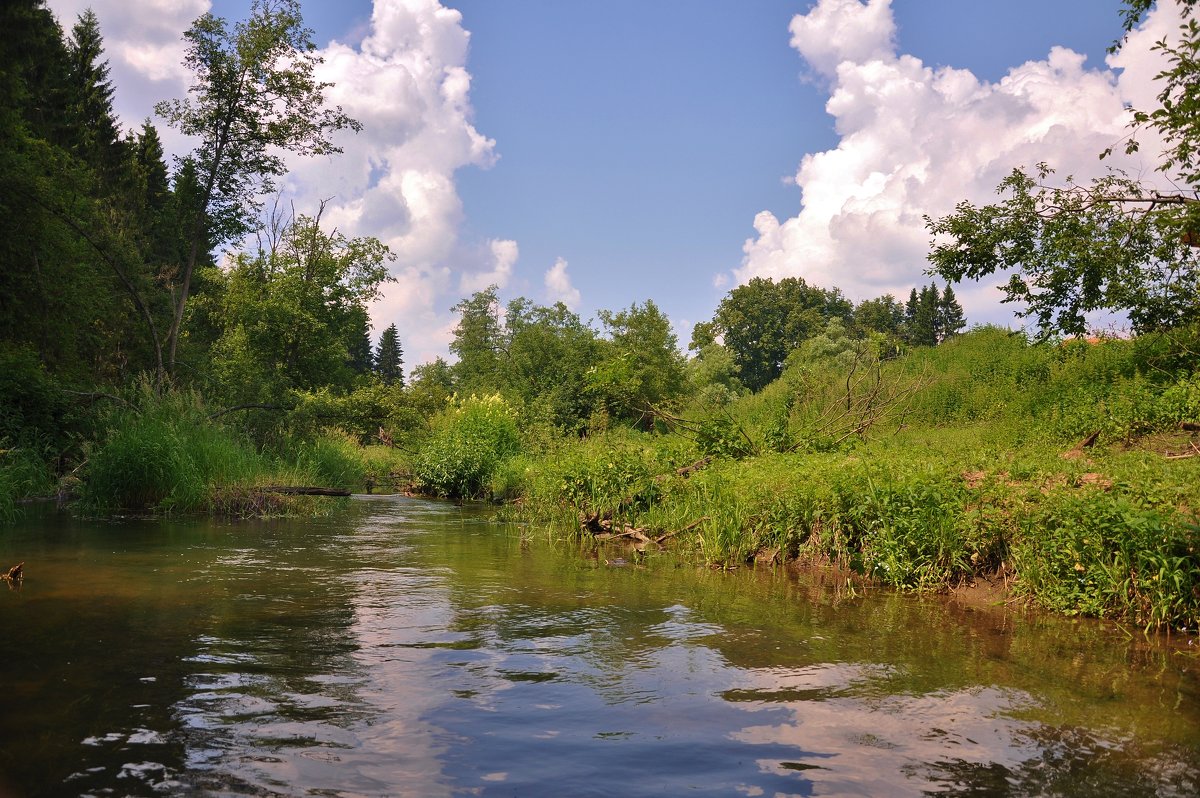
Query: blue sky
column 640, row 143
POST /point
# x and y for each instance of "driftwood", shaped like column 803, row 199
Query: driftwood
column 251, row 406
column 301, row 490
column 1195, row 452
column 602, row 529
column 688, row 470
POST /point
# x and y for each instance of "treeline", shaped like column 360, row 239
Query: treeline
column 107, row 270
column 111, row 296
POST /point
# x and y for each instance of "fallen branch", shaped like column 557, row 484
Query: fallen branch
column 300, row 490
column 101, row 395
column 235, row 408
column 659, row 540
column 688, row 470
column 1183, row 455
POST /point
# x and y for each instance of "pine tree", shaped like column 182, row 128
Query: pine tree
column 922, row 330
column 389, row 357
column 97, row 139
column 362, row 357
column 950, row 313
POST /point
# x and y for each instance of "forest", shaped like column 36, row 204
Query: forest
column 176, row 339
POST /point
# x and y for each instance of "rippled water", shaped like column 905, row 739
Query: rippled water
column 409, row 648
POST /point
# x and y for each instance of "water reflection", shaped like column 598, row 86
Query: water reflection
column 409, row 648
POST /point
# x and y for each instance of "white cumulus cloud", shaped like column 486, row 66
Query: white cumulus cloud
column 916, row 140
column 559, row 287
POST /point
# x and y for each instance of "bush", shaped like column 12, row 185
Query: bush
column 469, row 440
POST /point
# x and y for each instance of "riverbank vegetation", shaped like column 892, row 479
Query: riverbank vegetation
column 881, row 437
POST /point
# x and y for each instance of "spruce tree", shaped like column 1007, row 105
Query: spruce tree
column 950, row 314
column 97, row 139
column 362, row 357
column 389, row 357
column 923, row 328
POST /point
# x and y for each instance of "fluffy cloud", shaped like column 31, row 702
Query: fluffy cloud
column 407, row 82
column 558, row 286
column 917, row 140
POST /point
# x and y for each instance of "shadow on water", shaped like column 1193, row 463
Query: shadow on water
column 410, row 648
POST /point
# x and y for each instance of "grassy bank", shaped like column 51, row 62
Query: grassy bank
column 967, row 464
column 162, row 454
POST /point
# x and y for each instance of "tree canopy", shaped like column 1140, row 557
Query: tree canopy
column 1114, row 244
column 254, row 93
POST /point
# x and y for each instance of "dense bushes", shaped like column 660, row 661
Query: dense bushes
column 163, row 454
column 470, row 439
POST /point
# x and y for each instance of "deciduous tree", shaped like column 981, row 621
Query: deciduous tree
column 1115, row 244
column 254, row 94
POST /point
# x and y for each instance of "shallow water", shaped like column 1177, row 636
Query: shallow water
column 410, row 648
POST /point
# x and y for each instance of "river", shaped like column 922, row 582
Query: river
column 411, row 648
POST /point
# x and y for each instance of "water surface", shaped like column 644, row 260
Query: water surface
column 411, row 648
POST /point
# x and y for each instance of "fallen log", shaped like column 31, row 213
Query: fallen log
column 302, row 490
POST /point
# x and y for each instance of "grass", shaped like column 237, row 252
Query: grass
column 164, row 455
column 967, row 477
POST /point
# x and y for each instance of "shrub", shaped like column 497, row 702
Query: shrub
column 331, row 460
column 469, row 440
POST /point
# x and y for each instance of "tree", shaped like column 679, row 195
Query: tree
column 951, row 320
column 362, row 355
column 254, row 93
column 1115, row 244
column 389, row 358
column 479, row 341
column 291, row 313
column 89, row 96
column 883, row 315
column 544, row 369
column 640, row 367
column 924, row 328
column 431, row 386
column 762, row 321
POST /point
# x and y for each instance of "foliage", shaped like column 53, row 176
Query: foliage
column 1075, row 250
column 762, row 321
column 1117, row 244
column 640, row 367
column 370, row 409
column 254, row 94
column 1083, row 554
column 330, row 460
column 389, row 359
column 470, row 439
column 290, row 315
column 964, row 478
column 478, row 342
column 162, row 454
column 545, row 369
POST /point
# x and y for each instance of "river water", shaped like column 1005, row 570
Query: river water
column 412, row 648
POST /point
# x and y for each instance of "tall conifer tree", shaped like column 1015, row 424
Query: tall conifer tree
column 389, row 359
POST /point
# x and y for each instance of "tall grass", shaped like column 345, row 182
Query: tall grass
column 163, row 454
column 966, row 478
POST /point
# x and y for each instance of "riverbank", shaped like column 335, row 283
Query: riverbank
column 1062, row 470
